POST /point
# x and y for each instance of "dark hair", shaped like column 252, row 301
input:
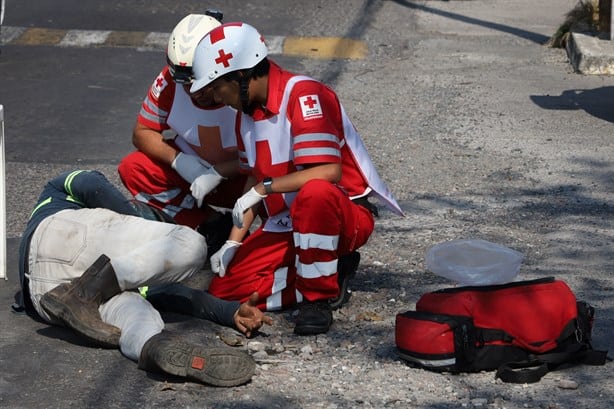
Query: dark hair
column 259, row 70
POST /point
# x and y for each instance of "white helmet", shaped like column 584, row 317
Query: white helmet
column 230, row 47
column 182, row 42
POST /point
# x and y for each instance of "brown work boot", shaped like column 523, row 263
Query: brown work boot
column 217, row 366
column 76, row 303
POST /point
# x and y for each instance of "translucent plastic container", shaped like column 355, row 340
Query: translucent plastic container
column 474, row 262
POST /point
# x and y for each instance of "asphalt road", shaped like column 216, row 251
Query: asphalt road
column 74, row 107
column 479, row 129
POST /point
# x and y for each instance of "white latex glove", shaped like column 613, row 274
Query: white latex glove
column 190, row 167
column 223, row 257
column 204, row 184
column 243, row 203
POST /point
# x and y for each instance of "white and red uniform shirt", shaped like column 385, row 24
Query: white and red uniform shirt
column 206, row 132
column 320, row 132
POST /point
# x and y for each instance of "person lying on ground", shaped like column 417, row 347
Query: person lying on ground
column 86, row 250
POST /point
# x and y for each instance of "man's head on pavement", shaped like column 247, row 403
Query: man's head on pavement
column 226, row 60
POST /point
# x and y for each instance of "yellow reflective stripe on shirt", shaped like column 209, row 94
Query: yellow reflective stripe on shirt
column 41, row 204
column 72, row 199
column 68, row 187
column 68, row 181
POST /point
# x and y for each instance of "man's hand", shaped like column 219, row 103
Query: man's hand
column 249, row 318
column 190, row 167
column 249, row 199
column 204, row 184
column 223, row 257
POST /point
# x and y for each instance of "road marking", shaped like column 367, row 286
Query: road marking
column 325, row 47
column 39, row 36
column 84, row 38
column 308, row 47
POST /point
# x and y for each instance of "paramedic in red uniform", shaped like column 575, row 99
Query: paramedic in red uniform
column 184, row 174
column 306, row 164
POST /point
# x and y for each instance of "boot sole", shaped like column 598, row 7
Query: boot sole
column 311, row 329
column 213, row 366
column 106, row 338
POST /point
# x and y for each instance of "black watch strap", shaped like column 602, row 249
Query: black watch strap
column 267, row 182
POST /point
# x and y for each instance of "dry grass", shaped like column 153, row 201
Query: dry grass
column 583, row 17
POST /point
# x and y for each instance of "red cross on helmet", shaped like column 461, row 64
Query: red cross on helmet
column 227, row 48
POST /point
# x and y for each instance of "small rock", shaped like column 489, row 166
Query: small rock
column 231, row 338
column 567, row 384
column 260, row 355
column 307, row 349
column 256, row 346
column 479, row 402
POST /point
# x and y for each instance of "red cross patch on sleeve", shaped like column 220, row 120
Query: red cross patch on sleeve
column 158, row 85
column 310, row 107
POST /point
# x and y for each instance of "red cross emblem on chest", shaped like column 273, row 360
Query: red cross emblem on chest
column 310, row 102
column 159, row 82
column 223, row 58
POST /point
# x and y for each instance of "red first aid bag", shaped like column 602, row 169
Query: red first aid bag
column 523, row 329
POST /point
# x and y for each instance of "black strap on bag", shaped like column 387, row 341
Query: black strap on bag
column 537, row 366
column 575, row 348
column 522, row 372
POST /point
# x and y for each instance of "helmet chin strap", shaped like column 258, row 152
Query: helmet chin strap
column 244, row 92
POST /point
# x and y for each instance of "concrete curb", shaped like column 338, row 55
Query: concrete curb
column 590, row 54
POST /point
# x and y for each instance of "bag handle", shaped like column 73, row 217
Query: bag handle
column 537, row 366
column 522, row 372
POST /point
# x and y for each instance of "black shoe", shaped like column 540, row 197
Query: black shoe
column 313, row 318
column 346, row 270
column 216, row 232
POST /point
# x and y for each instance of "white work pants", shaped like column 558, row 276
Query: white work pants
column 142, row 253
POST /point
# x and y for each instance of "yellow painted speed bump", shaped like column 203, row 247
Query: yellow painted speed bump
column 125, row 38
column 41, row 36
column 325, row 47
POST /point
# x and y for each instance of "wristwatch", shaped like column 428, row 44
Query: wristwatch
column 267, row 182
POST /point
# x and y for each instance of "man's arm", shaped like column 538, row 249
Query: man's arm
column 292, row 182
column 181, row 299
column 151, row 119
column 151, row 143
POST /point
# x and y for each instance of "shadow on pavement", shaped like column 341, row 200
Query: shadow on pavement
column 598, row 102
column 527, row 35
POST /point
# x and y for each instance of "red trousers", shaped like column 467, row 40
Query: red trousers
column 289, row 267
column 162, row 187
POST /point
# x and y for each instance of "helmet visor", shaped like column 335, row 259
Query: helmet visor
column 180, row 73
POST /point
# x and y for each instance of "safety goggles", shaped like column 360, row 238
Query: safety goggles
column 181, row 74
